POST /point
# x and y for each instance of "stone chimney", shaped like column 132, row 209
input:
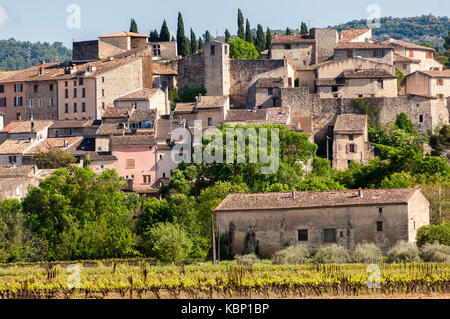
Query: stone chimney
column 66, row 145
column 293, row 194
column 360, row 193
column 33, row 128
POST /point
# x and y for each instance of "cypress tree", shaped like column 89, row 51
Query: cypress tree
column 180, row 36
column 268, row 38
column 260, row 39
column 154, row 37
column 240, row 25
column 164, row 35
column 207, row 36
column 172, row 39
column 186, row 47
column 194, row 46
column 227, row 35
column 248, row 33
column 304, row 28
column 133, row 27
column 200, row 44
column 288, row 31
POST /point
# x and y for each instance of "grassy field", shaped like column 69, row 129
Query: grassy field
column 141, row 279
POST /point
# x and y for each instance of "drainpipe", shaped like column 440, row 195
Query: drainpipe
column 167, row 99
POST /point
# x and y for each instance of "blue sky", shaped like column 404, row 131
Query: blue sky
column 45, row 20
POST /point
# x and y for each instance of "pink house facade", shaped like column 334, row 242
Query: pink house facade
column 136, row 155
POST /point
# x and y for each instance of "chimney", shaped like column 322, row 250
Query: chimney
column 65, row 145
column 33, row 128
column 360, row 193
column 199, row 98
column 41, row 70
column 293, row 194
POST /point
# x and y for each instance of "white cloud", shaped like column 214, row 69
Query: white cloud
column 3, row 16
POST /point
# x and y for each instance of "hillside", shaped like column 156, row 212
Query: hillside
column 16, row 55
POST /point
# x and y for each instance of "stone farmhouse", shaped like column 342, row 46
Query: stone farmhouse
column 267, row 222
column 433, row 84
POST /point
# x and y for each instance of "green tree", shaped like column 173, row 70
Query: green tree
column 440, row 141
column 304, row 28
column 400, row 78
column 207, row 37
column 54, row 158
column 403, row 122
column 248, row 32
column 260, row 39
column 398, row 180
column 133, row 26
column 168, row 243
column 240, row 22
column 200, row 44
column 319, row 184
column 164, row 34
column 447, row 41
column 321, row 167
column 154, row 37
column 194, row 45
column 268, row 39
column 240, row 49
column 227, row 35
column 181, row 43
column 288, row 31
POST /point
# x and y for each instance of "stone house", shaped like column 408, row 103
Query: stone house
column 265, row 93
column 405, row 64
column 164, row 77
column 414, row 52
column 166, row 50
column 100, row 161
column 350, row 141
column 267, row 222
column 61, row 128
column 429, row 83
column 13, row 96
column 298, row 50
column 149, row 99
column 383, row 53
column 136, row 156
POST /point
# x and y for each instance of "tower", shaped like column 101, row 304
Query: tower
column 217, row 68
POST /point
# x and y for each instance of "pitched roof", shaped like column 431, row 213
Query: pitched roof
column 142, row 94
column 184, row 107
column 350, row 34
column 15, row 146
column 101, row 156
column 117, row 112
column 157, row 68
column 243, row 115
column 111, row 129
column 165, row 127
column 409, row 45
column 291, row 39
column 270, row 83
column 124, row 34
column 328, row 82
column 23, row 170
column 207, row 102
column 130, row 140
column 368, row 74
column 58, row 143
column 315, row 199
column 437, row 74
column 33, row 73
column 403, row 59
column 350, row 123
column 362, row 45
column 142, row 115
column 71, row 124
column 25, row 126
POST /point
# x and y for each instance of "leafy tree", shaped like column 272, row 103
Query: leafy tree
column 181, row 43
column 240, row 49
column 404, row 123
column 304, row 28
column 398, row 180
column 440, row 141
column 200, row 44
column 207, row 36
column 186, row 46
column 164, row 34
column 268, row 39
column 133, row 26
column 194, row 45
column 319, row 184
column 447, row 41
column 189, row 94
column 260, row 39
column 172, row 39
column 168, row 243
column 321, row 167
column 248, row 32
column 154, row 37
column 432, row 233
column 240, row 33
column 54, row 158
column 227, row 35
column 400, row 78
column 288, row 31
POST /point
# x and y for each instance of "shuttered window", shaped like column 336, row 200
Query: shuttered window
column 329, row 235
column 130, row 163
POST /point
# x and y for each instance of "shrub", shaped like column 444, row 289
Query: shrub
column 431, row 233
column 249, row 259
column 403, row 252
column 367, row 253
column 332, row 254
column 168, row 243
column 292, row 255
column 435, row 253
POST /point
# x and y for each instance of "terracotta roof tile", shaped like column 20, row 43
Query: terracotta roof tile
column 164, row 127
column 117, row 112
column 362, row 45
column 403, row 59
column 58, row 143
column 291, row 39
column 351, row 34
column 15, row 147
column 408, row 45
column 211, row 102
column 315, row 199
column 160, row 69
column 184, row 107
column 350, row 123
column 25, row 126
column 124, row 34
column 142, row 115
column 437, row 74
column 270, row 83
column 130, row 140
column 143, row 94
column 111, row 129
column 368, row 74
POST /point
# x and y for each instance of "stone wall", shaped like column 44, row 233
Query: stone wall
column 46, row 93
column 191, row 72
column 85, row 50
column 326, row 40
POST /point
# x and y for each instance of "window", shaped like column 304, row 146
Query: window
column 51, row 88
column 226, row 50
column 290, row 82
column 411, row 53
column 41, row 117
column 352, row 148
column 429, row 55
column 440, row 96
column 379, row 226
column 274, row 102
column 302, row 235
column 74, row 93
column 74, row 107
column 102, row 166
column 279, row 56
column 378, row 53
column 380, row 209
column 160, row 156
column 209, row 121
column 18, row 101
column 75, row 83
column 3, row 102
column 287, row 46
column 103, row 79
column 66, row 84
column 269, row 91
column 83, row 107
column 80, row 81
column 421, row 118
column 2, row 89
column 12, row 159
column 296, row 55
column 380, row 84
column 66, row 108
column 350, row 137
column 334, row 89
column 349, row 53
column 439, row 82
column 83, row 92
column 329, row 235
column 147, row 179
column 405, row 66
column 164, row 175
column 18, row 88
column 30, row 102
column 51, row 102
column 130, row 163
column 213, row 50
column 35, row 88
column 18, row 116
column 341, row 234
column 39, row 102
column 103, row 92
column 66, row 93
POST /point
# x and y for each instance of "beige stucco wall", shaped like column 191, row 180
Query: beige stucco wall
column 305, row 53
column 11, row 111
column 333, row 69
column 102, row 143
column 366, row 54
column 112, row 46
column 46, row 111
column 165, row 164
column 418, row 216
column 274, row 228
column 341, row 157
column 89, row 100
column 96, row 166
